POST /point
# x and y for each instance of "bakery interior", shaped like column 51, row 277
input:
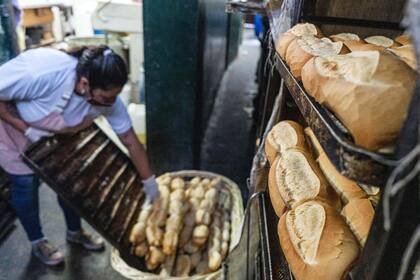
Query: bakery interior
column 284, row 136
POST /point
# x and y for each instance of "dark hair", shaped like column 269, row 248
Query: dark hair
column 101, row 66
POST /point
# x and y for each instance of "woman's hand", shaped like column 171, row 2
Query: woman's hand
column 151, row 188
column 139, row 158
column 34, row 134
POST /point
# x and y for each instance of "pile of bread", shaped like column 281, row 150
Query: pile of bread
column 367, row 83
column 187, row 230
column 324, row 217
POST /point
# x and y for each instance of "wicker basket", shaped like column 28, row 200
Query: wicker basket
column 236, row 219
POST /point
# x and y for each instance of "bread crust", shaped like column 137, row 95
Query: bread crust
column 336, row 252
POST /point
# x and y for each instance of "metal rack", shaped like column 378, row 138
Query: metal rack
column 7, row 215
column 110, row 200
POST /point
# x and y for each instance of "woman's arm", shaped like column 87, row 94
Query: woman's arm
column 6, row 116
column 137, row 153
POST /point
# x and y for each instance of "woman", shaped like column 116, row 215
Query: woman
column 45, row 91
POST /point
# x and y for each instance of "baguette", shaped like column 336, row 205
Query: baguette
column 283, row 135
column 317, row 243
column 358, row 214
column 375, row 89
column 183, row 266
column 154, row 258
column 315, row 146
column 298, row 30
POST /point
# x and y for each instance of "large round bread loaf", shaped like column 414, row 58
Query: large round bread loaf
column 302, row 49
column 283, row 135
column 298, row 30
column 358, row 214
column 403, row 40
column 407, row 54
column 298, row 179
column 317, row 243
column 368, row 91
column 343, row 37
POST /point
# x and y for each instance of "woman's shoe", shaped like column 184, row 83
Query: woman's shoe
column 47, row 253
column 88, row 241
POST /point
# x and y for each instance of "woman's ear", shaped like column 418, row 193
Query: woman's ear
column 82, row 86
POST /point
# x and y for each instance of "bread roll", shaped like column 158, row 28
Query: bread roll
column 403, row 40
column 317, row 243
column 381, row 41
column 177, row 183
column 407, row 54
column 298, row 30
column 183, row 266
column 141, row 249
column 368, row 91
column 302, row 49
column 200, row 235
column 168, row 266
column 154, row 258
column 273, row 191
column 359, row 216
column 343, row 37
column 283, row 135
column 346, row 188
column 298, row 179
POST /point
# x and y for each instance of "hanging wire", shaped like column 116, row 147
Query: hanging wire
column 408, row 253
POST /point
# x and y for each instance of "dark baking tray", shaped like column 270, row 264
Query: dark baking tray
column 351, row 160
column 96, row 179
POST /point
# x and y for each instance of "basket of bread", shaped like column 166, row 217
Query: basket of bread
column 188, row 232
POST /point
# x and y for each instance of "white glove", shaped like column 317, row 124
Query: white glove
column 151, row 188
column 34, row 134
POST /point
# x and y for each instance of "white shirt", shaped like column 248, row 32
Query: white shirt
column 36, row 81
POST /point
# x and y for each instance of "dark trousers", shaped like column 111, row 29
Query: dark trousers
column 25, row 200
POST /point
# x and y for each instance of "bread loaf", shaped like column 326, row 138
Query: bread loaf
column 275, row 197
column 344, row 37
column 381, row 41
column 283, row 135
column 346, row 188
column 302, row 49
column 183, row 266
column 298, row 30
column 317, row 243
column 403, row 40
column 359, row 216
column 368, row 91
column 298, row 179
column 313, row 142
column 407, row 54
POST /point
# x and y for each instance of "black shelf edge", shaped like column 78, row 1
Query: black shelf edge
column 354, row 22
column 245, row 7
column 352, row 161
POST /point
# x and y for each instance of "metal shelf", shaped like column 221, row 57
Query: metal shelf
column 352, row 161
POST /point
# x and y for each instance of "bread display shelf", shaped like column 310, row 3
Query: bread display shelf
column 96, row 179
column 274, row 262
column 352, row 161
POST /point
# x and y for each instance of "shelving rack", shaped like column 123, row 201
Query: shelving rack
column 386, row 247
